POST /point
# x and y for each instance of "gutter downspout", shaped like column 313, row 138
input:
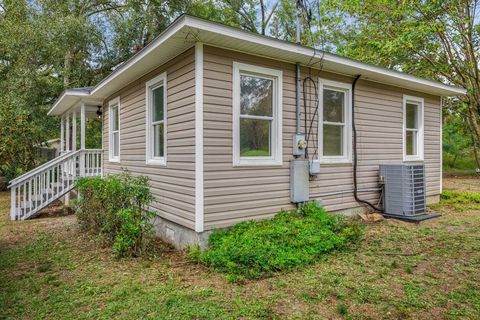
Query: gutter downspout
column 297, row 99
column 297, row 73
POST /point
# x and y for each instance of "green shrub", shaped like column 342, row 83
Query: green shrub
column 256, row 248
column 115, row 207
column 460, row 197
column 461, row 200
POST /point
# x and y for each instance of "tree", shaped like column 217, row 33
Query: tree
column 27, row 83
column 46, row 46
column 437, row 39
column 456, row 139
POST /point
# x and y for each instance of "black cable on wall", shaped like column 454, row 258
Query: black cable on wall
column 310, row 118
column 355, row 152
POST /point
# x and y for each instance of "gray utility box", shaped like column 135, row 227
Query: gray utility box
column 404, row 189
column 299, row 185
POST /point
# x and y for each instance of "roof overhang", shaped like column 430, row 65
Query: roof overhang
column 184, row 32
column 71, row 97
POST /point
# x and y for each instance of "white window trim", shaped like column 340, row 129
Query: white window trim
column 276, row 143
column 150, row 159
column 347, row 134
column 420, row 132
column 112, row 103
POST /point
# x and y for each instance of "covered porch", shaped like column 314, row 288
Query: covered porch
column 36, row 189
column 75, row 108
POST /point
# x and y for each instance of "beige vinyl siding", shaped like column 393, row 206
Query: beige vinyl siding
column 173, row 184
column 233, row 194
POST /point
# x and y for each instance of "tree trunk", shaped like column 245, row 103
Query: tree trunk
column 67, row 64
column 475, row 152
column 262, row 8
column 474, row 130
column 472, row 115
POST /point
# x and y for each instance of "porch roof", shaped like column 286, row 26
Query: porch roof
column 186, row 30
column 70, row 97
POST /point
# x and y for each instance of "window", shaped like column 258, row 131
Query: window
column 114, row 128
column 334, row 122
column 257, row 129
column 156, row 102
column 412, row 128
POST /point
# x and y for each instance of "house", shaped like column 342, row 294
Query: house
column 213, row 115
column 49, row 150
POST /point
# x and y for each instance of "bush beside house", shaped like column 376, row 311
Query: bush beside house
column 115, row 207
column 253, row 249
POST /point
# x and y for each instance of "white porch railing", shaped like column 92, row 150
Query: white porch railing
column 36, row 189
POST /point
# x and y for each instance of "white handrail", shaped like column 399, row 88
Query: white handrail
column 36, row 189
column 47, row 164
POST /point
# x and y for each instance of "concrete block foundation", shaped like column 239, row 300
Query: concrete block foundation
column 179, row 236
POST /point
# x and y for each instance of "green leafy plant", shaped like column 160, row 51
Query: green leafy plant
column 115, row 207
column 461, row 200
column 253, row 249
column 342, row 309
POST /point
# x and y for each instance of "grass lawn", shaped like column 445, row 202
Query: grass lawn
column 48, row 269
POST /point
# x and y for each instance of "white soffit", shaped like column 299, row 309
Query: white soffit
column 69, row 98
column 184, row 32
column 240, row 40
column 170, row 43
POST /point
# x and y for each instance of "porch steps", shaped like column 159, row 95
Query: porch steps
column 42, row 200
column 35, row 190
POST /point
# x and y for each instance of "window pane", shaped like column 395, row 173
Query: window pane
column 115, row 146
column 256, row 96
column 158, row 147
column 412, row 116
column 333, row 105
column 411, row 143
column 332, row 140
column 157, row 96
column 255, row 138
column 114, row 118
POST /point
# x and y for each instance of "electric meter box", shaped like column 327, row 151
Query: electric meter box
column 299, row 145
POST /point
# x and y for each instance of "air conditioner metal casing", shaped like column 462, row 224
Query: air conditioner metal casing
column 404, row 189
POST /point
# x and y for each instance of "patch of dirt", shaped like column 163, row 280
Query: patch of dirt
column 462, row 183
column 371, row 217
column 55, row 209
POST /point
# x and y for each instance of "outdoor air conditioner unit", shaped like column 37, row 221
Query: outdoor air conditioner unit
column 404, row 190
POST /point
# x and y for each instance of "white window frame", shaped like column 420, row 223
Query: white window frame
column 115, row 102
column 160, row 80
column 276, row 134
column 420, row 131
column 347, row 131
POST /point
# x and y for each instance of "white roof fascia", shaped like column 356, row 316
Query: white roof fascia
column 370, row 72
column 171, row 30
column 309, row 52
column 70, row 98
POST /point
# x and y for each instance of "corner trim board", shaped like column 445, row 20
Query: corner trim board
column 441, row 145
column 199, row 192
